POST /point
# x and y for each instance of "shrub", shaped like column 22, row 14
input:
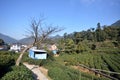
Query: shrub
column 81, row 47
column 93, row 46
column 18, row 73
column 57, row 73
column 108, row 44
column 64, row 73
column 74, row 74
column 6, row 60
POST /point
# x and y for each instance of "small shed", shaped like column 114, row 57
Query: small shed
column 37, row 54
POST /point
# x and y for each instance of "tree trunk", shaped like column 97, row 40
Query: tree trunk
column 21, row 55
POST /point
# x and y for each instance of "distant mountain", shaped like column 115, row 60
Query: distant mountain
column 56, row 37
column 30, row 40
column 7, row 39
column 117, row 23
column 26, row 40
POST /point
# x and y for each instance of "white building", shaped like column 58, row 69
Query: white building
column 15, row 47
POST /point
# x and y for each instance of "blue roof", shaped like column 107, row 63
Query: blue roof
column 36, row 50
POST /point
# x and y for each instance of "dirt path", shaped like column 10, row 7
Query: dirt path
column 38, row 75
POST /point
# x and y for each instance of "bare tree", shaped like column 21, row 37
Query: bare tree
column 39, row 33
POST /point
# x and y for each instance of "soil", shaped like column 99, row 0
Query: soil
column 83, row 69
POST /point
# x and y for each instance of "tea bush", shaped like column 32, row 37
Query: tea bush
column 66, row 73
column 6, row 61
column 57, row 73
column 63, row 73
column 8, row 70
column 18, row 73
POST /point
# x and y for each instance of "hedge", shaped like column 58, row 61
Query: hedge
column 8, row 70
column 18, row 73
column 6, row 61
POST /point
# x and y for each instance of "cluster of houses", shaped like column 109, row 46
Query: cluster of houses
column 17, row 47
column 34, row 53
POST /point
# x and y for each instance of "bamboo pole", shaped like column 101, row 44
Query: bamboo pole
column 98, row 72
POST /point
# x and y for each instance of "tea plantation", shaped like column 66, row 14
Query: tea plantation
column 61, row 68
column 8, row 70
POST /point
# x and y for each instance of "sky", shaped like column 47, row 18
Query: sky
column 73, row 15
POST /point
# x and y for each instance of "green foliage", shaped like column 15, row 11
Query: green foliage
column 105, row 61
column 49, row 59
column 112, row 64
column 108, row 44
column 118, row 36
column 63, row 73
column 100, row 34
column 59, row 69
column 57, row 73
column 111, row 32
column 98, row 49
column 77, row 37
column 10, row 72
column 6, row 61
column 81, row 47
column 69, row 46
column 73, row 43
column 18, row 73
column 1, row 42
column 93, row 46
column 75, row 74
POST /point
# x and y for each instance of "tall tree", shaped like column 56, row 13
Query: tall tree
column 77, row 37
column 69, row 46
column 90, row 35
column 100, row 34
column 118, row 36
column 1, row 42
column 39, row 33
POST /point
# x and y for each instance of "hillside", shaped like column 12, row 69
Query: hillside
column 7, row 39
column 26, row 40
column 30, row 40
column 117, row 23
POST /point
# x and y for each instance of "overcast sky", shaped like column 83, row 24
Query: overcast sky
column 74, row 15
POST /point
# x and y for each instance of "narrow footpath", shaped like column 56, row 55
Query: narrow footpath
column 38, row 75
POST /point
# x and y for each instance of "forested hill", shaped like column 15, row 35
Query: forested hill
column 97, row 41
column 101, row 37
column 100, row 34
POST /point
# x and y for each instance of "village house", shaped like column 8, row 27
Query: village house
column 15, row 47
column 35, row 53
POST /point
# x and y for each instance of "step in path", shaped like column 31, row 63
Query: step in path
column 38, row 75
